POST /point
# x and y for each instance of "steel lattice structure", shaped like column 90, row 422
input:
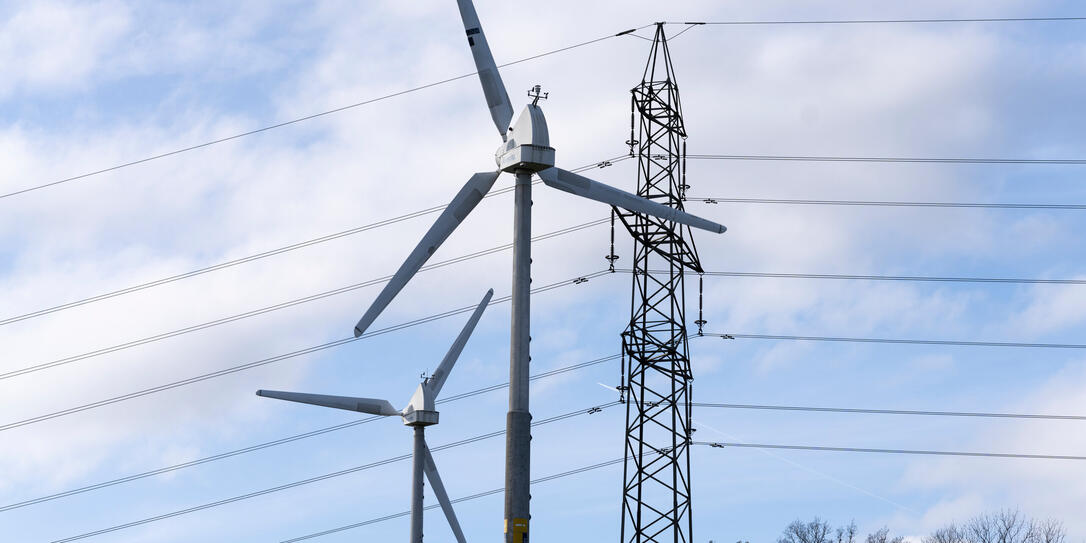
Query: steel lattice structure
column 657, row 381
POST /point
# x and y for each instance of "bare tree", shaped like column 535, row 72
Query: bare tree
column 847, row 534
column 883, row 536
column 1048, row 531
column 1007, row 526
column 950, row 533
column 816, row 531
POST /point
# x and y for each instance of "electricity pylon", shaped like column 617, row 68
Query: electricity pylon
column 656, row 380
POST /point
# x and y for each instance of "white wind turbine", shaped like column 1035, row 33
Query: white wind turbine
column 526, row 150
column 418, row 414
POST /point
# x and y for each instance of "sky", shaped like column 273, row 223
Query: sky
column 92, row 85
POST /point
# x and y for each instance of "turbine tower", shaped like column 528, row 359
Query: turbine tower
column 525, row 151
column 418, row 414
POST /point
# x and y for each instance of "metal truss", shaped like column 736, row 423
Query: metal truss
column 657, row 382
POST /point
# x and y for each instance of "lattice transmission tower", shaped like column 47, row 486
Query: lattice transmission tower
column 656, row 378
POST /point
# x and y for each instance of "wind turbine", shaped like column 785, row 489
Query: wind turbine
column 418, row 414
column 525, row 150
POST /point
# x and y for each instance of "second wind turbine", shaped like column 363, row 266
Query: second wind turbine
column 525, row 151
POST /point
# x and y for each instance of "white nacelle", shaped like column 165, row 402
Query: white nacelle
column 528, row 148
column 420, row 411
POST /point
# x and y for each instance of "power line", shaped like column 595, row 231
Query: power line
column 492, row 388
column 714, row 444
column 435, row 209
column 319, row 478
column 916, row 278
column 279, row 358
column 703, row 443
column 289, row 439
column 348, row 288
column 268, row 253
column 889, row 159
column 890, row 451
column 903, row 341
column 457, row 500
column 279, row 306
column 554, row 419
column 885, row 411
column 887, row 203
column 305, row 118
column 885, row 21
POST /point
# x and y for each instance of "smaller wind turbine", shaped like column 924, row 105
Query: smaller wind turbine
column 418, row 414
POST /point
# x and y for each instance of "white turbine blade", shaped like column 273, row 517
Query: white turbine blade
column 442, row 496
column 437, row 380
column 594, row 190
column 362, row 405
column 497, row 99
column 454, row 214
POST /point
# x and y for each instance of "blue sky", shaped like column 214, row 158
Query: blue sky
column 94, row 84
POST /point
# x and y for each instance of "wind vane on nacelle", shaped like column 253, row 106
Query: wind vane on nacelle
column 536, row 94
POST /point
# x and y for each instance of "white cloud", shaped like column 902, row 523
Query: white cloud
column 1040, row 488
column 781, row 91
column 50, row 46
column 1052, row 308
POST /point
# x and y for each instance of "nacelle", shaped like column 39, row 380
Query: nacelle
column 420, row 418
column 528, row 148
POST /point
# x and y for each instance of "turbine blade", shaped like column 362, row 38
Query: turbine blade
column 454, row 214
column 442, row 496
column 594, row 190
column 497, row 99
column 362, row 405
column 437, row 380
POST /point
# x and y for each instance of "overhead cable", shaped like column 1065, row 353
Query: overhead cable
column 886, row 411
column 319, row 478
column 436, row 209
column 903, row 341
column 544, row 375
column 265, row 254
column 289, row 439
column 464, row 76
column 725, row 445
column 305, row 118
column 887, row 203
column 893, row 159
column 702, row 443
column 279, row 306
column 279, row 358
column 916, row 278
column 457, row 500
column 348, row 288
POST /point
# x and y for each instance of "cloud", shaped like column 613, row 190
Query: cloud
column 1040, row 488
column 899, row 90
column 58, row 46
column 1052, row 308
